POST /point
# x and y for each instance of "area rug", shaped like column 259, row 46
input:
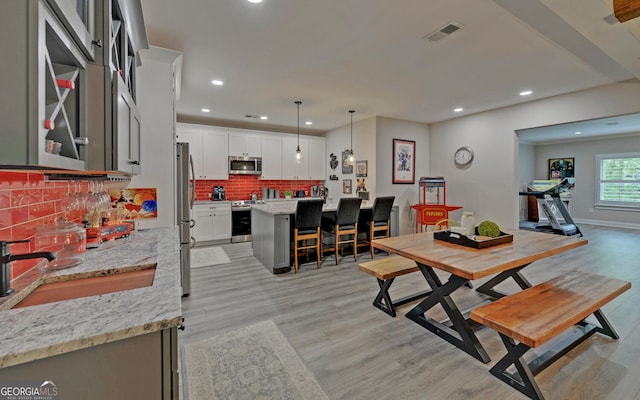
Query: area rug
column 253, row 363
column 208, row 256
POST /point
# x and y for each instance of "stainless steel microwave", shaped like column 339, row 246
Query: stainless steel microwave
column 245, row 165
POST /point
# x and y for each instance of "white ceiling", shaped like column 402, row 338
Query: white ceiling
column 370, row 56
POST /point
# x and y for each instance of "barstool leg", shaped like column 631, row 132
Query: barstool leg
column 355, row 242
column 371, row 231
column 318, row 245
column 337, row 244
column 295, row 249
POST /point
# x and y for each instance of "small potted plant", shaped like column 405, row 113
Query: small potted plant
column 288, row 194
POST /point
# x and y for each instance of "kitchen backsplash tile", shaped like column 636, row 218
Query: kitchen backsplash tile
column 241, row 187
column 28, row 200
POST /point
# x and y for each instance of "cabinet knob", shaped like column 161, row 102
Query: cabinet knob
column 134, row 162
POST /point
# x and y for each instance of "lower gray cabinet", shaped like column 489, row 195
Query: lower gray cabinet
column 140, row 367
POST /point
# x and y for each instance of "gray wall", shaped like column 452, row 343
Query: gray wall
column 406, row 195
column 584, row 193
column 490, row 186
column 372, row 141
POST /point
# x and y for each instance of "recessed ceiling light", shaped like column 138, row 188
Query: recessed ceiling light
column 578, row 133
column 255, row 1
column 308, row 123
column 205, row 110
column 264, row 117
column 525, row 93
column 459, row 109
column 217, row 82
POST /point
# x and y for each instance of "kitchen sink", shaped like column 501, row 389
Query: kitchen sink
column 75, row 288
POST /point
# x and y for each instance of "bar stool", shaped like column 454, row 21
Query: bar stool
column 344, row 223
column 380, row 224
column 307, row 227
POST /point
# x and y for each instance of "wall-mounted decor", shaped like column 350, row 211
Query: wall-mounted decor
column 360, row 185
column 346, row 186
column 333, row 161
column 404, row 161
column 560, row 168
column 136, row 203
column 347, row 166
column 361, row 168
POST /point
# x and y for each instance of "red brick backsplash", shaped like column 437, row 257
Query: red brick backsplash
column 240, row 187
column 28, row 200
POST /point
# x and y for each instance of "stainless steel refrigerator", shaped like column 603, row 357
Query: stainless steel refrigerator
column 185, row 194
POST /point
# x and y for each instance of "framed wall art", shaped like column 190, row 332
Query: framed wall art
column 560, row 168
column 346, row 186
column 347, row 166
column 404, row 161
column 361, row 169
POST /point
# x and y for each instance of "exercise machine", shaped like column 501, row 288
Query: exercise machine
column 569, row 227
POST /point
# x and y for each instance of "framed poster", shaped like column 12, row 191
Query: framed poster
column 346, row 186
column 347, row 166
column 560, row 168
column 361, row 169
column 404, row 161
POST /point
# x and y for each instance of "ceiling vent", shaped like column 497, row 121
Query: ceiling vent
column 443, row 32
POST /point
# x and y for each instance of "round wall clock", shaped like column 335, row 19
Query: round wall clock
column 463, row 156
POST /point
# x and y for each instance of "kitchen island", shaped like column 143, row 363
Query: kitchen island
column 115, row 345
column 271, row 231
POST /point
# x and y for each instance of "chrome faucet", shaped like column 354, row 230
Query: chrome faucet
column 6, row 258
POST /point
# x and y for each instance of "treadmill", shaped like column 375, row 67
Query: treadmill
column 569, row 227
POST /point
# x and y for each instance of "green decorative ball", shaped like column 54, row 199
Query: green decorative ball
column 489, row 228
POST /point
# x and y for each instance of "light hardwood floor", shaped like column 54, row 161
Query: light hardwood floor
column 356, row 351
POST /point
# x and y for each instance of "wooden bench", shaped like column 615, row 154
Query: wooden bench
column 386, row 270
column 538, row 314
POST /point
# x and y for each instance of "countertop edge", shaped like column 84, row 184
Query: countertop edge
column 84, row 343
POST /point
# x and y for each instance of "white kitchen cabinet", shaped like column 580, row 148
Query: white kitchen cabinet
column 215, row 163
column 244, row 145
column 208, row 148
column 316, row 158
column 213, row 222
column 271, row 157
column 291, row 169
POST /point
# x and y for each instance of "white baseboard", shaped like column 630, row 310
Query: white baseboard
column 606, row 223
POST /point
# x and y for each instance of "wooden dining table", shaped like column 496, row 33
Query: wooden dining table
column 464, row 264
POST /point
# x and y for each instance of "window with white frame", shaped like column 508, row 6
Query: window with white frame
column 618, row 180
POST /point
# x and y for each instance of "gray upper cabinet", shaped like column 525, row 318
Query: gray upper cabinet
column 127, row 121
column 44, row 93
column 60, row 99
column 78, row 18
column 123, row 35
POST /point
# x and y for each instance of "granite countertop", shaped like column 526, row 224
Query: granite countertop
column 41, row 331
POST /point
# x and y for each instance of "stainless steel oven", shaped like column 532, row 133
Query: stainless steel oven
column 240, row 223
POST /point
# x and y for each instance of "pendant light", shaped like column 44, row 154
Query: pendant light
column 298, row 151
column 351, row 148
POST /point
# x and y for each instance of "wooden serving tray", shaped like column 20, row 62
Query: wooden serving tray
column 477, row 243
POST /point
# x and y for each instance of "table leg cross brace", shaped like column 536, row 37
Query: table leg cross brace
column 523, row 380
column 383, row 300
column 488, row 287
column 460, row 334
